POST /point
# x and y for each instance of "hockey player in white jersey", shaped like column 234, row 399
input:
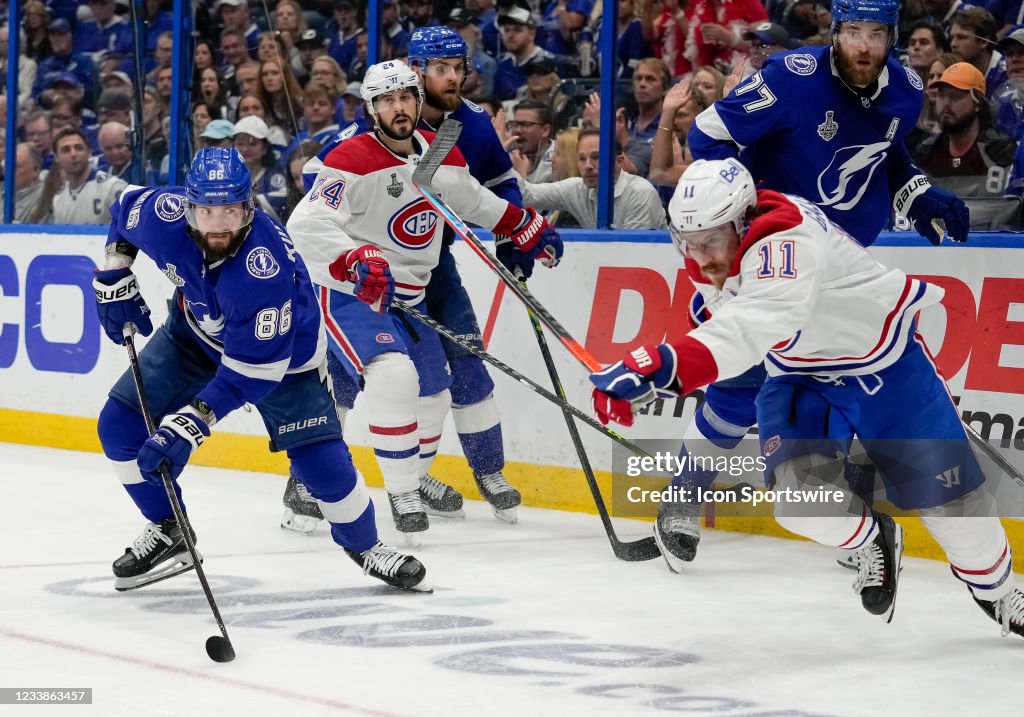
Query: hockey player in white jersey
column 367, row 235
column 843, row 358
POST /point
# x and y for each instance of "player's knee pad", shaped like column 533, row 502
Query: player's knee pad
column 471, row 383
column 391, row 380
column 121, row 430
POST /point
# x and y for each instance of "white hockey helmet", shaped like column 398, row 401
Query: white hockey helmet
column 385, row 77
column 709, row 194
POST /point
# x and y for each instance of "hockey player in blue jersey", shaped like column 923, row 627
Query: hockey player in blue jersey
column 438, row 55
column 244, row 327
column 844, row 357
column 826, row 123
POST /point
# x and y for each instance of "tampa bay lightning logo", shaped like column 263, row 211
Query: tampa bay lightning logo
column 914, row 78
column 261, row 264
column 413, row 225
column 848, row 175
column 170, row 207
column 801, row 63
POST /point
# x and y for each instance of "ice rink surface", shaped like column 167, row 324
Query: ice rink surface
column 533, row 619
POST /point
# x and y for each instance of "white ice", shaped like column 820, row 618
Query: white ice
column 537, row 618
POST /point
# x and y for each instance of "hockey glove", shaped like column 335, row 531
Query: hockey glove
column 512, row 258
column 936, row 204
column 368, row 268
column 532, row 234
column 171, row 445
column 646, row 374
column 119, row 303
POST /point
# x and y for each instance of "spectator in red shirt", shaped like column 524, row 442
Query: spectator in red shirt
column 707, row 32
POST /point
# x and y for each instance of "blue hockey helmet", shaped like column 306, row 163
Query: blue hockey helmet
column 884, row 12
column 218, row 176
column 436, row 42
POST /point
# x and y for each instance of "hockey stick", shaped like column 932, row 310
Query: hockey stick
column 643, row 549
column 446, row 137
column 512, row 373
column 995, row 456
column 218, row 647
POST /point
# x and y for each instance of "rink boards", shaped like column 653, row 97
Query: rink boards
column 613, row 290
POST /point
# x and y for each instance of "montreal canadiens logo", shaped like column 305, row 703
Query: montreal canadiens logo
column 261, row 263
column 772, row 444
column 413, row 225
column 170, row 207
column 385, row 339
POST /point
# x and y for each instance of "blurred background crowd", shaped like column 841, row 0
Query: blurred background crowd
column 277, row 78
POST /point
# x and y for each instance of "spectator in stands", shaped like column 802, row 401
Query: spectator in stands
column 632, row 45
column 39, row 134
column 709, row 83
column 395, row 31
column 716, row 32
column 234, row 50
column 636, row 149
column 941, row 12
column 163, row 54
column 268, row 182
column 213, row 91
column 518, row 33
column 153, row 131
column 924, row 44
column 343, row 31
column 219, row 133
column 61, row 84
column 325, row 71
column 117, row 81
column 1008, row 98
column 203, row 56
column 273, row 46
column 311, row 45
column 281, row 93
column 486, row 14
column 541, row 85
column 157, row 23
column 290, row 21
column 928, row 122
column 353, row 102
column 651, row 81
column 106, row 31
column 318, row 110
column 202, row 115
column 808, row 22
column 972, row 35
column 421, row 14
column 28, row 182
column 532, row 128
column 35, row 23
column 27, row 69
column 765, row 39
column 164, row 84
column 66, row 112
column 86, row 194
column 235, row 16
column 247, row 78
column 115, row 149
column 669, row 155
column 559, row 28
column 563, row 158
column 969, row 157
column 114, row 106
column 357, row 69
column 491, row 105
column 252, row 104
column 294, row 164
column 64, row 59
column 481, row 80
column 636, row 206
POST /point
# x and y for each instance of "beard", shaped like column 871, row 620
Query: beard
column 955, row 125
column 443, row 101
column 856, row 75
column 214, row 254
column 397, row 135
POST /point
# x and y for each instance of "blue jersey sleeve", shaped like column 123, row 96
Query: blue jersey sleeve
column 487, row 159
column 754, row 110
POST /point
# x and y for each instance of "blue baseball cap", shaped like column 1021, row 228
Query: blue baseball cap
column 60, row 25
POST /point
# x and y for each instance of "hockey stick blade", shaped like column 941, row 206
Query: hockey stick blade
column 444, row 139
column 643, row 549
column 218, row 647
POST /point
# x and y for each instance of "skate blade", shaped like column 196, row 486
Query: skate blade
column 846, row 561
column 168, row 569
column 421, row 587
column 296, row 523
column 506, row 515
column 675, row 564
column 897, row 566
column 450, row 514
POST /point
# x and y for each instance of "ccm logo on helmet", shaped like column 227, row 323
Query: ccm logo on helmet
column 413, row 225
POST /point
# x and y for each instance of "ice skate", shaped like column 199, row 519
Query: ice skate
column 878, row 568
column 159, row 553
column 440, row 499
column 392, row 566
column 846, row 558
column 409, row 515
column 502, row 497
column 1008, row 611
column 302, row 513
column 677, row 532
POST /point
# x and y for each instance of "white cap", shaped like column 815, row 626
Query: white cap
column 236, row 3
column 252, row 125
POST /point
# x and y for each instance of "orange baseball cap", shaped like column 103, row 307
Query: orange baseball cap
column 963, row 76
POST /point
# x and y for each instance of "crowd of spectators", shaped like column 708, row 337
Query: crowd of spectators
column 277, row 84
